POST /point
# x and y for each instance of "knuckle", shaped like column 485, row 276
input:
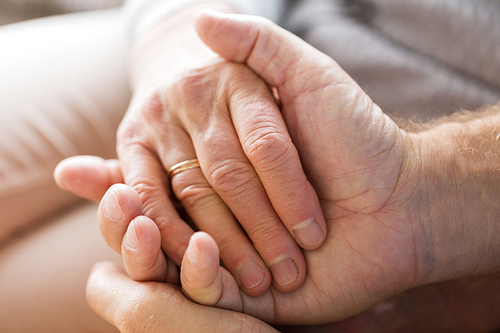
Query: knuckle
column 232, row 178
column 197, row 92
column 153, row 113
column 194, row 86
column 187, row 80
column 145, row 189
column 266, row 233
column 228, row 239
column 194, row 194
column 153, row 107
column 129, row 134
column 268, row 148
column 150, row 194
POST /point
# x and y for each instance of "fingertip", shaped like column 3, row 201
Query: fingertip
column 253, row 279
column 59, row 175
column 204, row 280
column 202, row 253
column 141, row 251
column 104, row 266
column 87, row 176
column 288, row 272
column 204, row 19
column 206, row 14
column 69, row 172
column 201, row 278
column 128, row 199
column 310, row 234
column 205, row 244
column 118, row 207
column 144, row 231
column 218, row 30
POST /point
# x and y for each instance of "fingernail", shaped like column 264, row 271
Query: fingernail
column 284, row 271
column 308, row 233
column 193, row 252
column 131, row 240
column 112, row 207
column 250, row 274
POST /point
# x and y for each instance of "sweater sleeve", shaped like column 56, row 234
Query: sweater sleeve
column 141, row 15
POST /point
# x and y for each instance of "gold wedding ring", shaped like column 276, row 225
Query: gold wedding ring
column 183, row 166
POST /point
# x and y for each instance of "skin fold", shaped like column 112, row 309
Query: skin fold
column 403, row 211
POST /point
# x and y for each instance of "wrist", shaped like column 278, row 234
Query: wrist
column 171, row 47
column 458, row 197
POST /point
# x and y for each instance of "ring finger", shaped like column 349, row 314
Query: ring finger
column 233, row 177
column 211, row 214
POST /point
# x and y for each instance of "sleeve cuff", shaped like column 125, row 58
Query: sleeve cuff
column 142, row 15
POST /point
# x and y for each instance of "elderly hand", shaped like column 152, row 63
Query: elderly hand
column 382, row 189
column 250, row 192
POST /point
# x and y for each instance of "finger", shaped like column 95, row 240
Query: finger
column 314, row 92
column 265, row 140
column 275, row 54
column 120, row 205
column 106, row 280
column 211, row 214
column 88, row 177
column 156, row 307
column 136, row 237
column 143, row 171
column 232, row 176
column 264, row 137
column 205, row 282
column 142, row 255
column 202, row 278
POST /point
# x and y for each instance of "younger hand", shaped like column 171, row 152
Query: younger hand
column 468, row 305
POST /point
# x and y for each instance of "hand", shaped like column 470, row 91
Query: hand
column 192, row 103
column 469, row 305
column 357, row 160
column 119, row 299
column 460, row 306
column 381, row 188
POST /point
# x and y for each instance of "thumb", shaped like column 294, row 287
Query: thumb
column 203, row 280
column 345, row 141
column 278, row 56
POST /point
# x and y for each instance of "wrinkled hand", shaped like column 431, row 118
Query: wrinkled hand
column 354, row 156
column 376, row 246
column 376, row 182
column 367, row 173
column 357, row 160
column 250, row 193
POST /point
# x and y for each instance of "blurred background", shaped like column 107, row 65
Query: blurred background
column 18, row 10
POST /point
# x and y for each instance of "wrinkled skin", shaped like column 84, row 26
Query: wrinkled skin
column 368, row 175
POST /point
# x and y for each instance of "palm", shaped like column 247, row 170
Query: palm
column 353, row 155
